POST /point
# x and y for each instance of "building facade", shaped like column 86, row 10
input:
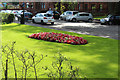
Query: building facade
column 94, row 7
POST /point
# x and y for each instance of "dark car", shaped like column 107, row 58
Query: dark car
column 55, row 14
column 27, row 16
column 111, row 20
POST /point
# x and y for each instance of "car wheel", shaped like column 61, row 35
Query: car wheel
column 89, row 20
column 74, row 20
column 52, row 23
column 33, row 20
column 42, row 22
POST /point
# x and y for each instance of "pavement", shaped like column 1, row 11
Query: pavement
column 94, row 28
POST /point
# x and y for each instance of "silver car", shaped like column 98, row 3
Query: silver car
column 67, row 13
column 81, row 16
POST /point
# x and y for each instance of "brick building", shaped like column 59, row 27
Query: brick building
column 94, row 7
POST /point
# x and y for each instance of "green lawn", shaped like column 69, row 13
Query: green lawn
column 97, row 59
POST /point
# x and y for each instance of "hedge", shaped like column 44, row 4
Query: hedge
column 7, row 17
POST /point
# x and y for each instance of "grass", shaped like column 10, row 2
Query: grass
column 97, row 59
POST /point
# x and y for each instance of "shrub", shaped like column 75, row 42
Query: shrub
column 7, row 17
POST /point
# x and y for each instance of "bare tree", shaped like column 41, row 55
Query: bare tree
column 36, row 62
column 5, row 61
column 12, row 51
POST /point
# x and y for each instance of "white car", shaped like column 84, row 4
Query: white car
column 43, row 18
column 3, row 11
column 8, row 11
column 15, row 12
column 67, row 13
column 81, row 16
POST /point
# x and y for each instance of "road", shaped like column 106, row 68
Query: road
column 94, row 28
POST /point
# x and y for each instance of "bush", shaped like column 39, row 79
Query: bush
column 7, row 17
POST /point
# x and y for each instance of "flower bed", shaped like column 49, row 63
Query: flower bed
column 59, row 37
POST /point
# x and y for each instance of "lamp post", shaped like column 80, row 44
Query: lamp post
column 22, row 21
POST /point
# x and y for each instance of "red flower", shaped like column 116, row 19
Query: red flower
column 59, row 37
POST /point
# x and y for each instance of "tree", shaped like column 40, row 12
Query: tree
column 117, row 8
column 114, row 9
column 63, row 6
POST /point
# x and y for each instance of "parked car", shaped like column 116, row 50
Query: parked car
column 3, row 11
column 67, row 13
column 43, row 18
column 111, row 19
column 15, row 12
column 21, row 12
column 8, row 11
column 55, row 14
column 27, row 16
column 81, row 16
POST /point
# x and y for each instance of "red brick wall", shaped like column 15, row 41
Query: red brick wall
column 82, row 7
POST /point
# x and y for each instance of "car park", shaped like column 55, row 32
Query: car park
column 43, row 18
column 55, row 14
column 81, row 16
column 111, row 19
column 67, row 13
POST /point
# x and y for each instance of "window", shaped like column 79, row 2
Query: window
column 44, row 5
column 79, row 6
column 40, row 15
column 47, row 15
column 69, row 13
column 100, row 7
column 75, row 13
column 27, row 5
column 86, row 6
column 32, row 5
column 93, row 6
column 83, row 14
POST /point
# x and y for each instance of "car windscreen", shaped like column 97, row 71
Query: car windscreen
column 47, row 15
column 28, row 15
column 49, row 12
column 55, row 12
column 109, row 16
column 75, row 13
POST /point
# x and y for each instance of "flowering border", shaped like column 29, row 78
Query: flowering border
column 59, row 37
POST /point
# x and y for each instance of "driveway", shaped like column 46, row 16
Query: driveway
column 96, row 29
